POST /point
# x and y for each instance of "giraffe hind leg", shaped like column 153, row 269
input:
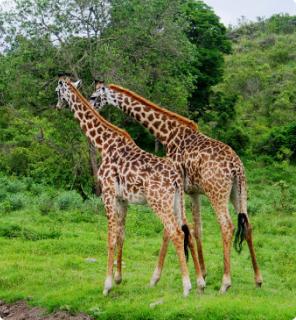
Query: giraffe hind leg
column 245, row 232
column 121, row 215
column 162, row 254
column 195, row 200
column 164, row 210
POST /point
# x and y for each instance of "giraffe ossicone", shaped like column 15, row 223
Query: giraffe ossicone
column 128, row 174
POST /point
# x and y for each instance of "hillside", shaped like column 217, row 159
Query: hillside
column 261, row 71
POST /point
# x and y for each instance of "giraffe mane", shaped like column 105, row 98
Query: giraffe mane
column 97, row 115
column 150, row 104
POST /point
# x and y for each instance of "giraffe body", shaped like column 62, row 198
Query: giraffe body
column 128, row 174
column 209, row 167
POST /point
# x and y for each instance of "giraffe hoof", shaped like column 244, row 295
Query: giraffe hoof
column 201, row 284
column 186, row 287
column 155, row 278
column 107, row 286
column 106, row 292
column 117, row 278
column 259, row 281
column 153, row 282
column 224, row 288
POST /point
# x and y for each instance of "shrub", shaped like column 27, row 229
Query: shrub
column 18, row 161
column 45, row 203
column 93, row 205
column 15, row 231
column 69, row 200
column 15, row 185
column 237, row 139
column 16, row 201
column 3, row 195
column 36, row 189
column 280, row 143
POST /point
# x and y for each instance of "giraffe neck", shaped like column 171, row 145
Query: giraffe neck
column 99, row 131
column 160, row 122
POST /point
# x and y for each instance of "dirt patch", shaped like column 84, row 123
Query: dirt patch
column 21, row 311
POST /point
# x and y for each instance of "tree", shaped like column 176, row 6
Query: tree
column 209, row 36
column 139, row 45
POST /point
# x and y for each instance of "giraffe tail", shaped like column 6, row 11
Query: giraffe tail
column 186, row 231
column 240, row 235
column 242, row 219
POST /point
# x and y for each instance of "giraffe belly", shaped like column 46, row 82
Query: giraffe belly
column 136, row 198
column 192, row 186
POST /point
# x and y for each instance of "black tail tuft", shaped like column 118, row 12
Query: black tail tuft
column 240, row 235
column 186, row 231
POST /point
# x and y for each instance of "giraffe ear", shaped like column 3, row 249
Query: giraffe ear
column 77, row 84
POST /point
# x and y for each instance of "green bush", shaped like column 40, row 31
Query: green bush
column 3, row 195
column 69, row 200
column 280, row 143
column 236, row 138
column 18, row 161
column 15, row 185
column 17, row 201
column 36, row 189
column 93, row 205
column 16, row 231
column 45, row 203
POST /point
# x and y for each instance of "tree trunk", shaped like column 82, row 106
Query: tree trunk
column 156, row 146
column 94, row 167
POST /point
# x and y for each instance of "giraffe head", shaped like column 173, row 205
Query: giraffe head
column 63, row 91
column 100, row 96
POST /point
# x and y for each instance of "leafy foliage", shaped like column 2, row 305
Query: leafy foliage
column 261, row 73
column 158, row 48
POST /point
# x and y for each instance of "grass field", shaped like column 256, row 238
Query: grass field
column 46, row 237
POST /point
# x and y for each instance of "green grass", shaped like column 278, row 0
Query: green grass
column 43, row 259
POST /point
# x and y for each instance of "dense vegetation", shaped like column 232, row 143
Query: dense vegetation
column 261, row 74
column 152, row 47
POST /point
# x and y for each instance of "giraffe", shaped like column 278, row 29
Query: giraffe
column 209, row 167
column 128, row 174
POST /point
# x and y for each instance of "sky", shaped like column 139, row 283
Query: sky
column 231, row 10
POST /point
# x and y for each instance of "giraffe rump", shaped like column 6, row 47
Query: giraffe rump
column 186, row 231
column 240, row 235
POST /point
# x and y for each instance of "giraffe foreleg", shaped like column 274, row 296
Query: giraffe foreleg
column 111, row 250
column 178, row 241
column 108, row 197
